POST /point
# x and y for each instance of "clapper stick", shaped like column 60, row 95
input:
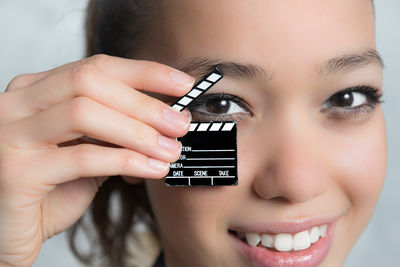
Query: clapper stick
column 209, row 154
column 200, row 88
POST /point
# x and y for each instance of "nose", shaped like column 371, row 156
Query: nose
column 292, row 167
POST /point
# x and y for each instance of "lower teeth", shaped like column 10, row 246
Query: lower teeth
column 261, row 246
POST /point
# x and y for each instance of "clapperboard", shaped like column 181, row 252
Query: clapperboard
column 208, row 156
column 209, row 150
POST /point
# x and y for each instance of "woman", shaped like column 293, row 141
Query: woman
column 303, row 80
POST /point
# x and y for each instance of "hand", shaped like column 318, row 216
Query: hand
column 64, row 131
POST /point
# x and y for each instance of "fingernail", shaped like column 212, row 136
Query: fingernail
column 176, row 118
column 169, row 143
column 157, row 164
column 182, row 78
column 188, row 114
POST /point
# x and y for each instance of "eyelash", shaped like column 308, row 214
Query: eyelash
column 373, row 98
column 203, row 100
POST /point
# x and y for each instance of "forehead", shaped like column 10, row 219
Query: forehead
column 250, row 31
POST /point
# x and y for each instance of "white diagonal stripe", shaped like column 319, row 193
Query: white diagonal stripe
column 228, row 126
column 204, row 85
column 203, row 127
column 185, row 101
column 192, row 127
column 194, row 93
column 213, row 77
column 177, row 107
column 215, row 127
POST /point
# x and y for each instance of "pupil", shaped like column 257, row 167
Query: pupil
column 343, row 100
column 218, row 106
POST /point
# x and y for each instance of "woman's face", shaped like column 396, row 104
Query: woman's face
column 309, row 153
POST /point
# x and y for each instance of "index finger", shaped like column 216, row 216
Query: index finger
column 144, row 75
column 95, row 77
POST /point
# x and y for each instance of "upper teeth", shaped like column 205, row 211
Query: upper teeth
column 285, row 241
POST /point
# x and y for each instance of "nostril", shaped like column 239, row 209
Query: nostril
column 276, row 199
column 279, row 199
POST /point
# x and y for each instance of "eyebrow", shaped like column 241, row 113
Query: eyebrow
column 350, row 62
column 198, row 67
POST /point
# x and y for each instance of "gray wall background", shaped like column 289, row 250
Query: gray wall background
column 37, row 35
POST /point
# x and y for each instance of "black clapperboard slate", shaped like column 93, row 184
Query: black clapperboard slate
column 209, row 154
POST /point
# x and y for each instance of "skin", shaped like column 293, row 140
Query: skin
column 48, row 178
column 339, row 164
column 313, row 164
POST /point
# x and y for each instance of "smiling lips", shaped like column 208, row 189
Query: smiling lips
column 285, row 241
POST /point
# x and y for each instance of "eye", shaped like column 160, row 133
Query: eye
column 219, row 107
column 352, row 101
column 348, row 99
column 223, row 106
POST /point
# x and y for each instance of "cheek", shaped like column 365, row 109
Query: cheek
column 189, row 218
column 358, row 165
column 362, row 168
column 354, row 158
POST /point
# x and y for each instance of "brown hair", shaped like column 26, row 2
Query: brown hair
column 114, row 28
